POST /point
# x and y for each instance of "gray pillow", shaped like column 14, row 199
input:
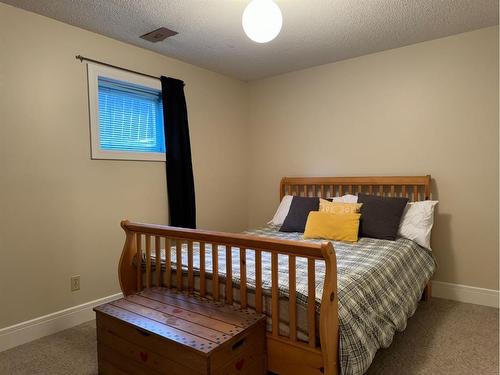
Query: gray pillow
column 380, row 216
column 296, row 219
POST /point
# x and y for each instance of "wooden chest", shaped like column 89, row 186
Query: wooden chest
column 159, row 331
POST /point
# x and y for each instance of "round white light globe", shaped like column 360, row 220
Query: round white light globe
column 262, row 20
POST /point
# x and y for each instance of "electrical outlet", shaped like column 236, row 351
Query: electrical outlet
column 75, row 283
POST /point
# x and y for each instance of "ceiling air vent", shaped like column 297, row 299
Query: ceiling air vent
column 158, row 35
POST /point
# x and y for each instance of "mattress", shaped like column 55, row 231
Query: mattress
column 380, row 283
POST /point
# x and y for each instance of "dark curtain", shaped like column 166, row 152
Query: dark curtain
column 179, row 167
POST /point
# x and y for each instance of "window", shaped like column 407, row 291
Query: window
column 126, row 115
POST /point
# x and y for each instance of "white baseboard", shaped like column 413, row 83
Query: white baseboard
column 30, row 330
column 465, row 293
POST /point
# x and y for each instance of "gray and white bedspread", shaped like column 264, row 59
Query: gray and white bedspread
column 380, row 283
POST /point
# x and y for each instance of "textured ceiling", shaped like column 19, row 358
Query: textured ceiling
column 314, row 31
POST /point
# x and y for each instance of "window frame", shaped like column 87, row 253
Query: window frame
column 94, row 71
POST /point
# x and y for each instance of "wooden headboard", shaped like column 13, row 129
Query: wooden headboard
column 413, row 187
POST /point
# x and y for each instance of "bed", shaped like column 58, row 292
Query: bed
column 330, row 305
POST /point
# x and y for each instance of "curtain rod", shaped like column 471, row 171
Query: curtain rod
column 82, row 58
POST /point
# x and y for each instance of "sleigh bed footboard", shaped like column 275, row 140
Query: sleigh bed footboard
column 191, row 261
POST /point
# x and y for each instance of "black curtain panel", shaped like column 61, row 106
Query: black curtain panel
column 179, row 167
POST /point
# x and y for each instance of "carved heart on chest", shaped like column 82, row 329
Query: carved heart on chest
column 239, row 365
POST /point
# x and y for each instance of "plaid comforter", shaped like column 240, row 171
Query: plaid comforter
column 379, row 285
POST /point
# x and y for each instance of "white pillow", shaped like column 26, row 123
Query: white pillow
column 348, row 198
column 282, row 211
column 416, row 222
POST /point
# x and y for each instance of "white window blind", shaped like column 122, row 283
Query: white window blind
column 126, row 115
column 130, row 117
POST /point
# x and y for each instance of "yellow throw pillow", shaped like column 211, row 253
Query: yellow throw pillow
column 335, row 227
column 338, row 207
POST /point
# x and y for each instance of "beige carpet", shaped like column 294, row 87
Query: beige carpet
column 443, row 337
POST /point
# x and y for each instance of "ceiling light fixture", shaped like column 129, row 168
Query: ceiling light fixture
column 262, row 20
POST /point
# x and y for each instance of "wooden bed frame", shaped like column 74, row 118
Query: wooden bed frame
column 286, row 354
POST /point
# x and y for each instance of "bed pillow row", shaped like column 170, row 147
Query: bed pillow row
column 381, row 217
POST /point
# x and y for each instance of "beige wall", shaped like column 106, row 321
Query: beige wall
column 59, row 210
column 429, row 108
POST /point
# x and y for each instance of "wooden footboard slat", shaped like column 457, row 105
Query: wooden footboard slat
column 149, row 276
column 190, row 267
column 292, row 300
column 215, row 272
column 229, row 275
column 168, row 263
column 243, row 278
column 311, row 301
column 258, row 281
column 274, row 294
column 139, row 260
column 203, row 281
column 158, row 260
column 178, row 264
